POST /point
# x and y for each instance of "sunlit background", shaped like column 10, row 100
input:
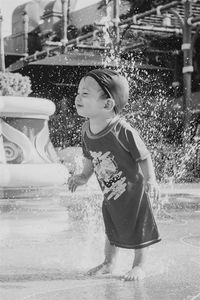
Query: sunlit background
column 8, row 6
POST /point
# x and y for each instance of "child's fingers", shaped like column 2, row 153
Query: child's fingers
column 155, row 192
column 158, row 194
column 73, row 188
column 156, row 199
column 72, row 185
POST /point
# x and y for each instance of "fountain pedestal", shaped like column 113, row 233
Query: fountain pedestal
column 27, row 156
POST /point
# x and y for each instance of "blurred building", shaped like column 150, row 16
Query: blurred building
column 35, row 47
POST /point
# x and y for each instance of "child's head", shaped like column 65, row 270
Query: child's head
column 101, row 92
column 114, row 85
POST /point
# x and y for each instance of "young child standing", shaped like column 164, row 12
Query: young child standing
column 123, row 167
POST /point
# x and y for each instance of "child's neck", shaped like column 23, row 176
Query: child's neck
column 98, row 124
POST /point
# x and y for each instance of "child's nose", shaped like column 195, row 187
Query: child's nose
column 77, row 98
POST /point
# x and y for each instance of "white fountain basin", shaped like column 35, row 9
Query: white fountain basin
column 26, row 107
column 27, row 156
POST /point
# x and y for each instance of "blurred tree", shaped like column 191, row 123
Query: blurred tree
column 14, row 84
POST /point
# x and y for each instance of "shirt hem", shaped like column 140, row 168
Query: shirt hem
column 143, row 245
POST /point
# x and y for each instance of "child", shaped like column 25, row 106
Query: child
column 123, row 167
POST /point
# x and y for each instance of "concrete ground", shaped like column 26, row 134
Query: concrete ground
column 46, row 247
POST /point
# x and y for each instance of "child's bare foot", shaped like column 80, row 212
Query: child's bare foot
column 137, row 273
column 104, row 268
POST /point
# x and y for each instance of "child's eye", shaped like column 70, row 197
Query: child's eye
column 81, row 94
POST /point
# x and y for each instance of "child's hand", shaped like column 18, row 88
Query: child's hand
column 152, row 189
column 75, row 181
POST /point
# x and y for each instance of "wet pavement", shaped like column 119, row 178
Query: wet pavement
column 46, row 247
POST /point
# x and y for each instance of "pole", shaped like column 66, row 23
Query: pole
column 64, row 21
column 116, row 21
column 25, row 22
column 187, row 65
column 2, row 57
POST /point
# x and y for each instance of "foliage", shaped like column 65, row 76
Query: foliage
column 14, row 84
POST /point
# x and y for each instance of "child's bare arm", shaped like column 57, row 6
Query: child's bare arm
column 147, row 168
column 82, row 178
column 151, row 185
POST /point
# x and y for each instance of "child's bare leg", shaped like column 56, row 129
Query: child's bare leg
column 110, row 257
column 137, row 271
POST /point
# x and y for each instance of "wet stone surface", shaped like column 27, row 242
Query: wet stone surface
column 192, row 240
column 47, row 246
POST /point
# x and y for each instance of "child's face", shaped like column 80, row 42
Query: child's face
column 90, row 101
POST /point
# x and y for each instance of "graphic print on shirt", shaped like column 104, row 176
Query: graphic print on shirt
column 111, row 178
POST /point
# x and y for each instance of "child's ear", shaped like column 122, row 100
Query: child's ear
column 109, row 104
